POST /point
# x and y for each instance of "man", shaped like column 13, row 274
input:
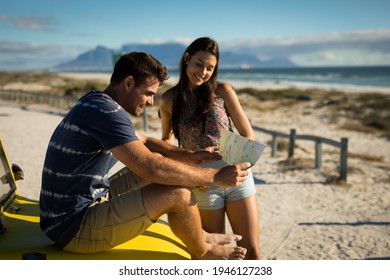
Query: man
column 84, row 211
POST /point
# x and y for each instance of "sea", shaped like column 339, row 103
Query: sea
column 353, row 79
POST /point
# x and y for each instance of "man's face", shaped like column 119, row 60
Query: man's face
column 140, row 96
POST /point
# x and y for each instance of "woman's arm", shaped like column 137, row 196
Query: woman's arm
column 235, row 111
column 165, row 107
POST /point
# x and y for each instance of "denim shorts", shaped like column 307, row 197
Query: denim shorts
column 217, row 197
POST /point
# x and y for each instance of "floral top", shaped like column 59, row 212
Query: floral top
column 197, row 133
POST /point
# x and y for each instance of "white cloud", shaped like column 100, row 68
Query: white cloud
column 38, row 49
column 26, row 56
column 29, row 23
column 367, row 47
column 184, row 41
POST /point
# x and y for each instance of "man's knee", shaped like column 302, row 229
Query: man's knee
column 184, row 196
column 159, row 199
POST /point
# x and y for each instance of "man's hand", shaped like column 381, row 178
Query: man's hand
column 206, row 155
column 232, row 175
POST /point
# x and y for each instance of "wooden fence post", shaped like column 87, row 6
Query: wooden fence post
column 274, row 147
column 318, row 150
column 291, row 143
column 343, row 159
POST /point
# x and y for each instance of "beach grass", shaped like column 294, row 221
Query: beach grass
column 52, row 83
column 364, row 112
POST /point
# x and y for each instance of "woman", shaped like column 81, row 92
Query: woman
column 195, row 111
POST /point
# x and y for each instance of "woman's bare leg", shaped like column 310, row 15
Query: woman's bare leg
column 244, row 220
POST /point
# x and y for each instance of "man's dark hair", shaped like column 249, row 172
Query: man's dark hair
column 140, row 66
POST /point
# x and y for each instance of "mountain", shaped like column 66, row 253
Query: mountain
column 100, row 59
column 97, row 60
column 169, row 53
column 239, row 60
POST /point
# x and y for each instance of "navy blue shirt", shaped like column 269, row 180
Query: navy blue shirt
column 78, row 159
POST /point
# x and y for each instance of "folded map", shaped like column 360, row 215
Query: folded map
column 235, row 148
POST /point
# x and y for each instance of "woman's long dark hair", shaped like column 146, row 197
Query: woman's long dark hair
column 203, row 92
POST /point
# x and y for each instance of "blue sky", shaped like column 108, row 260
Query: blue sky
column 43, row 33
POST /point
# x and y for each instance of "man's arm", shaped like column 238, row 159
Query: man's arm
column 159, row 169
column 166, row 149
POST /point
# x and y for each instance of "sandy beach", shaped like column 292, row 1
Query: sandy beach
column 304, row 212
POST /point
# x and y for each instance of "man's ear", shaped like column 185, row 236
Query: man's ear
column 129, row 82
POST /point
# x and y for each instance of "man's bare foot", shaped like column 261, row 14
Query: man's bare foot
column 220, row 238
column 218, row 252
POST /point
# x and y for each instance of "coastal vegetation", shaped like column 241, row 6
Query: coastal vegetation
column 364, row 112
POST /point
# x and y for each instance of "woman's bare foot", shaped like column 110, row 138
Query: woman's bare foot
column 220, row 238
column 218, row 252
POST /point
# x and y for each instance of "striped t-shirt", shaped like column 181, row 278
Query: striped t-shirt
column 77, row 162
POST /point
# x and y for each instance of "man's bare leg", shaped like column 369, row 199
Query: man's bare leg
column 184, row 220
column 221, row 238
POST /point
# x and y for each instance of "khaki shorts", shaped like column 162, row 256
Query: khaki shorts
column 114, row 220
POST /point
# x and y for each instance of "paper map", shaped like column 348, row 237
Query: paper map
column 235, row 148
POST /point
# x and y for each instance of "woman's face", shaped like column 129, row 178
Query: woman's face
column 200, row 67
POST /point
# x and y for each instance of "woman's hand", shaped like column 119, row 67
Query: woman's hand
column 206, row 155
column 202, row 188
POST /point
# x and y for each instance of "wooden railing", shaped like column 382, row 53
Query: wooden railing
column 25, row 98
column 293, row 136
column 53, row 100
